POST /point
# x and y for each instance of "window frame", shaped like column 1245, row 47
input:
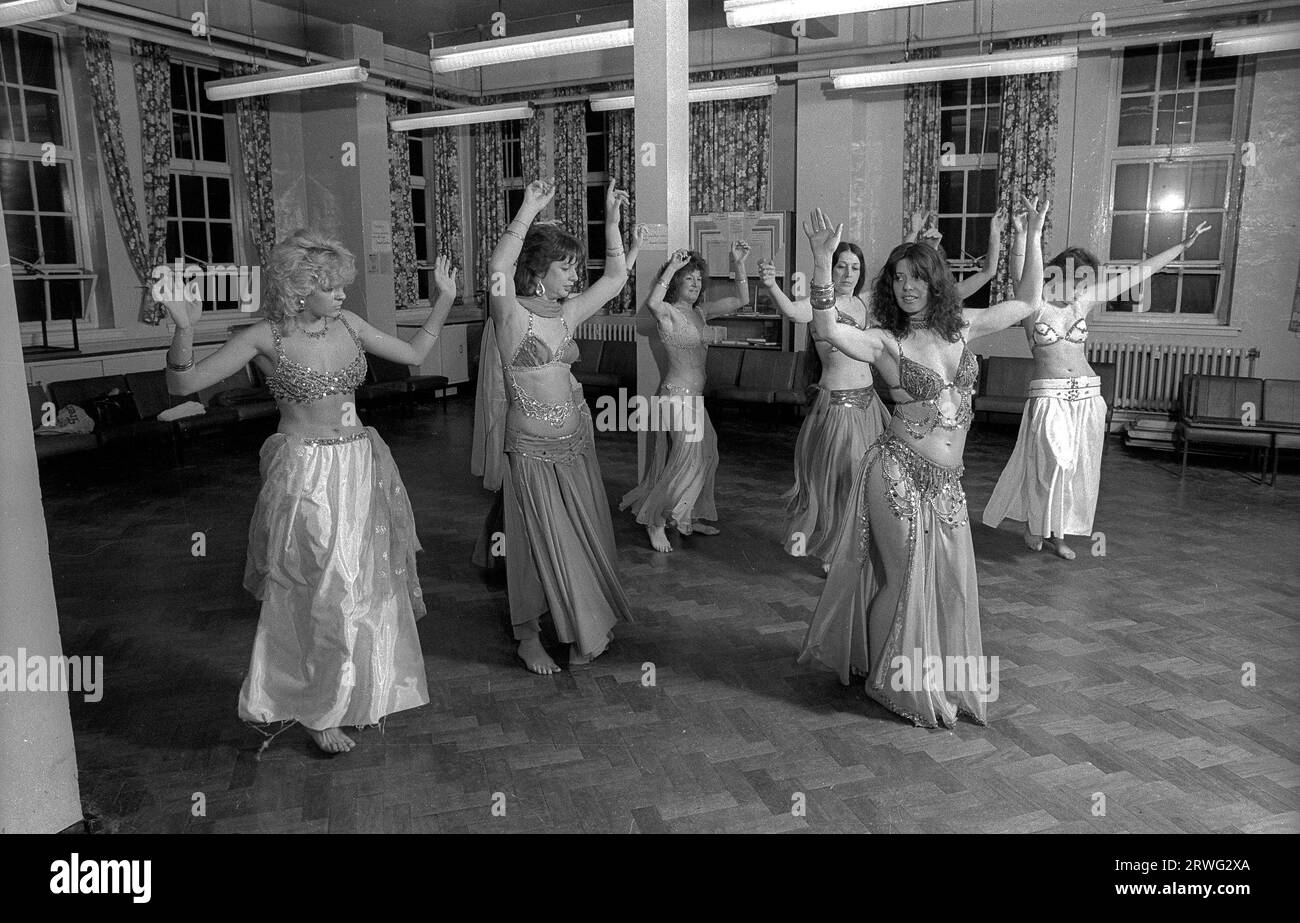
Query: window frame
column 967, row 163
column 1189, row 153
column 596, row 178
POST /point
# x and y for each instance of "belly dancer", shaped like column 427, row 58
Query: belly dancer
column 331, row 547
column 903, row 612
column 1052, row 479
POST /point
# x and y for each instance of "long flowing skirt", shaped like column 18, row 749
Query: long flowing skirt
column 331, row 555
column 1051, row 480
column 559, row 539
column 678, row 484
column 903, row 612
column 839, row 429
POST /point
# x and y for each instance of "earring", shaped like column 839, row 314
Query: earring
column 541, row 289
column 302, row 305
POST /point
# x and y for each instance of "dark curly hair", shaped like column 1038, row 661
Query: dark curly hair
column 545, row 244
column 1082, row 256
column 944, row 307
column 675, row 283
column 862, row 263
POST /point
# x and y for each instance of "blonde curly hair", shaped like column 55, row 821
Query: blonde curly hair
column 303, row 261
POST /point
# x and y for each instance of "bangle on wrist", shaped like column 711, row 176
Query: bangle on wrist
column 180, row 367
column 513, row 233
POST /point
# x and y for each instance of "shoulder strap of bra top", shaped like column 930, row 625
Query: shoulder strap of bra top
column 356, row 339
column 277, row 337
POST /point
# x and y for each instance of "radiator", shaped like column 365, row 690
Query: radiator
column 1147, row 375
column 622, row 330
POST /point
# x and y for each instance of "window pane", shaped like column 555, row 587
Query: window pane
column 15, row 187
column 596, row 205
column 171, row 199
column 981, row 197
column 36, row 52
column 953, row 92
column 596, row 153
column 978, row 94
column 173, row 240
column 10, row 112
column 417, row 206
column 950, row 228
column 182, row 139
column 21, row 231
column 415, row 147
column 1169, row 187
column 1164, row 292
column 977, row 237
column 1135, row 121
column 1214, row 116
column 1174, row 120
column 57, row 240
column 214, row 139
column 66, row 299
column 954, row 129
column 1139, row 69
column 191, row 196
column 1209, row 184
column 514, row 199
column 218, row 197
column 1218, row 72
column 52, row 189
column 421, row 244
column 1207, row 246
column 30, row 295
column 1130, row 187
column 993, row 130
column 178, row 86
column 194, row 237
column 422, row 281
column 43, row 117
column 1126, row 237
column 202, row 76
column 1199, row 293
column 1178, row 67
column 223, row 242
column 952, row 189
column 9, row 55
column 1166, row 229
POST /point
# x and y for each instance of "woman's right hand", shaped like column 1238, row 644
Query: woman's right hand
column 823, row 237
column 1037, row 213
column 767, row 273
column 538, row 194
column 676, row 261
column 184, row 314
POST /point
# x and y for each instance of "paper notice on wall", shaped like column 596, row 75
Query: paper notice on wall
column 656, row 237
column 735, row 227
column 381, row 237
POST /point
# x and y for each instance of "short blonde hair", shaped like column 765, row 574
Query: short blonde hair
column 300, row 263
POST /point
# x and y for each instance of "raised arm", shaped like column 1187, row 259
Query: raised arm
column 920, row 219
column 184, row 375
column 976, row 281
column 1029, row 290
column 798, row 311
column 582, row 306
column 1016, row 258
column 639, row 234
column 729, row 305
column 864, row 345
column 1130, row 276
column 655, row 302
column 501, row 265
column 414, row 351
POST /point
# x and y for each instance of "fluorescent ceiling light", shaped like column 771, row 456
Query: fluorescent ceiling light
column 1001, row 64
column 529, row 47
column 759, row 12
column 15, row 14
column 471, row 115
column 289, row 80
column 742, row 88
column 1256, row 39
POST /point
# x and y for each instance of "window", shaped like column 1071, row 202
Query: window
column 36, row 179
column 200, row 207
column 597, row 179
column 417, row 146
column 969, row 113
column 512, row 157
column 1173, row 163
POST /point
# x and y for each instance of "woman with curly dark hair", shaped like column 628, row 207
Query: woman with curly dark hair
column 902, row 594
column 677, row 488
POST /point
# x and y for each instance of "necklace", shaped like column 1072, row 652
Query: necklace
column 316, row 334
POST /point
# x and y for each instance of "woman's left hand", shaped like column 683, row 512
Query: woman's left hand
column 823, row 237
column 1200, row 229
column 739, row 250
column 615, row 201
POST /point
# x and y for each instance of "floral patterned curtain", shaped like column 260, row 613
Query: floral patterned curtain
column 490, row 216
column 731, row 149
column 530, row 146
column 253, row 120
column 620, row 143
column 1027, row 159
column 406, row 287
column 444, row 218
column 571, row 178
column 921, row 144
column 145, row 246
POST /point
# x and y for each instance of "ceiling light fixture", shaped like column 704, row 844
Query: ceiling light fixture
column 470, row 115
column 742, row 88
column 289, row 80
column 1256, row 39
column 760, row 12
column 530, row 47
column 15, row 14
column 1000, row 64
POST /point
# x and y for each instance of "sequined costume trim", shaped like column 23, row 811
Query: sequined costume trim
column 296, row 383
column 861, row 398
column 1066, row 389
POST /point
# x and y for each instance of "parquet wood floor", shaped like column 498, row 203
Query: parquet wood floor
column 1121, row 676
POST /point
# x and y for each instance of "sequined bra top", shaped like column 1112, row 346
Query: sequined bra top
column 1045, row 331
column 296, row 383
column 686, row 340
column 842, row 318
column 927, row 388
column 533, row 354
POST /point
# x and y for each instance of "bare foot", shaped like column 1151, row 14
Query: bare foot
column 1063, row 550
column 701, row 529
column 332, row 740
column 658, row 540
column 1033, row 542
column 535, row 657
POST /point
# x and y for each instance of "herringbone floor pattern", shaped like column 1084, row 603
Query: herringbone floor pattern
column 1121, row 676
